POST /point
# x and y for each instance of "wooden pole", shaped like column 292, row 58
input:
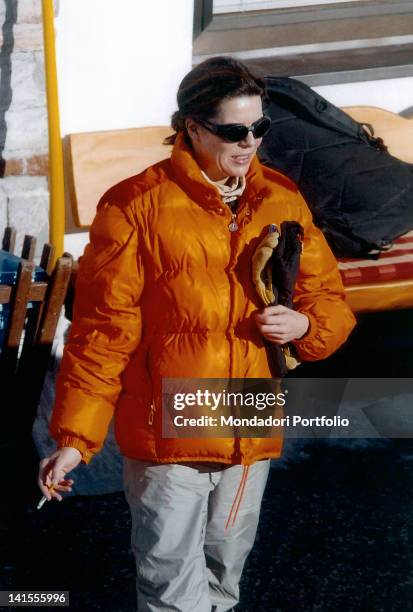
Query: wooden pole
column 56, row 176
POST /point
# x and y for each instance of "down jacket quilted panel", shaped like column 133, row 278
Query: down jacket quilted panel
column 164, row 290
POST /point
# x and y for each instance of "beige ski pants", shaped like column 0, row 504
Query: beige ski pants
column 189, row 540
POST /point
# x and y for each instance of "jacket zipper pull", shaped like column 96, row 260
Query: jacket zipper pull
column 151, row 414
column 233, row 226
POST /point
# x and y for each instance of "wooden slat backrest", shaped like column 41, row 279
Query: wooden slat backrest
column 54, row 299
column 36, row 293
column 94, row 161
column 46, row 259
column 37, row 290
column 396, row 131
column 9, row 239
column 27, row 345
column 29, row 247
column 39, row 337
column 19, row 298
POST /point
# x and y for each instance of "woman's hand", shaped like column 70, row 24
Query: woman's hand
column 280, row 324
column 53, row 470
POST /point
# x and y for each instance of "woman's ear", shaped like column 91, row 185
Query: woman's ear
column 191, row 128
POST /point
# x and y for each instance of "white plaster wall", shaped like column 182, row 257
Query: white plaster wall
column 119, row 63
column 391, row 94
column 119, row 66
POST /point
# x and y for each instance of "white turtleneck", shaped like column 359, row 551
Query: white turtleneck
column 230, row 189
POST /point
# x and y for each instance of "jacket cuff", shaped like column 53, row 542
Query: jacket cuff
column 78, row 444
column 311, row 340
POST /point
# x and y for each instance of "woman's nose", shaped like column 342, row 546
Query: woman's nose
column 248, row 141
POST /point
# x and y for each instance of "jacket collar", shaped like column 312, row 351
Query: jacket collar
column 188, row 175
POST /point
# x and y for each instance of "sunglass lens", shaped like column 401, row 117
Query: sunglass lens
column 261, row 127
column 235, row 133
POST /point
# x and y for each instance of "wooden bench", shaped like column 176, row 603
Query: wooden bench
column 96, row 160
column 32, row 312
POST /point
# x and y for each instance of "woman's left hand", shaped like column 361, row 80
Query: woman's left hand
column 280, row 324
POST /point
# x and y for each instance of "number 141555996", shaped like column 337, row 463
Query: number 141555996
column 34, row 598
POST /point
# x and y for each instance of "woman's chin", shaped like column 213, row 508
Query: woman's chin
column 238, row 169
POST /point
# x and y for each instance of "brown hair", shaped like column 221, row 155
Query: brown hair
column 202, row 90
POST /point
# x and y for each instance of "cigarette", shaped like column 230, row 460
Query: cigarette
column 41, row 502
column 44, row 499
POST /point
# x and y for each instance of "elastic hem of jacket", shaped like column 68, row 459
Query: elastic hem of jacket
column 209, row 459
column 78, row 444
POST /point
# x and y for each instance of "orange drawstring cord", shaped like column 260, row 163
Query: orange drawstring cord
column 240, row 493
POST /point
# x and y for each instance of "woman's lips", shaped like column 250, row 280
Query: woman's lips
column 241, row 159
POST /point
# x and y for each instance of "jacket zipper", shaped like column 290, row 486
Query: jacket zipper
column 235, row 227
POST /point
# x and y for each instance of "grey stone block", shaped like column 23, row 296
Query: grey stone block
column 28, row 37
column 28, row 208
column 29, row 11
column 26, row 133
column 27, row 82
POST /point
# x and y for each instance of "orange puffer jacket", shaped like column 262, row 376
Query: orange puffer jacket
column 164, row 289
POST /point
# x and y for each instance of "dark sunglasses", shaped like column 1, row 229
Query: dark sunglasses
column 234, row 132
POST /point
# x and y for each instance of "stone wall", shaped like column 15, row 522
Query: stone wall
column 24, row 196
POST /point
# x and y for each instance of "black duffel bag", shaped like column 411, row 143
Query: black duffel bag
column 361, row 197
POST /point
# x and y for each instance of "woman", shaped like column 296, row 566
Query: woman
column 164, row 290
